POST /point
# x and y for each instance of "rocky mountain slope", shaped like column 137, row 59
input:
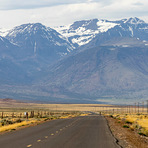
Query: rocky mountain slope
column 101, row 72
column 37, row 40
column 91, row 33
column 27, row 49
column 88, row 61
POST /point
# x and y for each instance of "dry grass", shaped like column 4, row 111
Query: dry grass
column 11, row 123
column 135, row 122
column 15, row 105
column 17, row 109
column 16, row 125
column 13, row 112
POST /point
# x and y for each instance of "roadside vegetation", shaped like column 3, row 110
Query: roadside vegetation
column 135, row 122
column 12, row 119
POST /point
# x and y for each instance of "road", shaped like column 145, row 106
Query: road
column 80, row 132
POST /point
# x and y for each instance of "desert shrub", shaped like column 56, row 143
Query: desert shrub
column 6, row 122
column 13, row 129
column 125, row 126
column 140, row 133
column 143, row 132
column 46, row 119
column 128, row 122
column 18, row 121
column 111, row 116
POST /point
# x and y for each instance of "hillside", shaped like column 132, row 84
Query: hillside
column 87, row 61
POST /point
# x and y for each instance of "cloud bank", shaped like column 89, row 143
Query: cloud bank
column 30, row 4
column 61, row 12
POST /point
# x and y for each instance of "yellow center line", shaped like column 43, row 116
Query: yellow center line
column 60, row 129
column 29, row 145
column 56, row 131
column 38, row 140
column 52, row 134
column 46, row 136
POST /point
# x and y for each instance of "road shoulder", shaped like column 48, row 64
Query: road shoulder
column 126, row 138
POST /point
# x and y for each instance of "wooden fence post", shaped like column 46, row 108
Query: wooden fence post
column 27, row 115
column 2, row 115
column 12, row 115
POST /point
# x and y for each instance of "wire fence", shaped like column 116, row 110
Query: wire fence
column 32, row 114
column 135, row 108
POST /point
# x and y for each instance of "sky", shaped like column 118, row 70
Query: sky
column 62, row 12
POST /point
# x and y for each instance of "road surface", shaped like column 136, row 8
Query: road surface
column 80, row 132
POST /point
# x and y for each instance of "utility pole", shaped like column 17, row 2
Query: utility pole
column 143, row 107
column 135, row 108
column 138, row 107
column 147, row 106
column 132, row 109
column 127, row 109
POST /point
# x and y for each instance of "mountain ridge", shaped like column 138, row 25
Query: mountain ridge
column 38, row 62
column 82, row 33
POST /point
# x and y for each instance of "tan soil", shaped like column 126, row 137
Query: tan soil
column 125, row 136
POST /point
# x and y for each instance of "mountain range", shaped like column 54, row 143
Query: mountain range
column 89, row 61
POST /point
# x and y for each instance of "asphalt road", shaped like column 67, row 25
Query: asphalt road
column 80, row 132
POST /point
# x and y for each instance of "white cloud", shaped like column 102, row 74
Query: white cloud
column 29, row 4
column 73, row 10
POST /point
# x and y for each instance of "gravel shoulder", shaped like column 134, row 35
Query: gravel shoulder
column 126, row 137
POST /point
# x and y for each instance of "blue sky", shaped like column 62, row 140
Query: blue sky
column 62, row 12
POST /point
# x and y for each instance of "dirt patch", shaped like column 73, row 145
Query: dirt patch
column 125, row 136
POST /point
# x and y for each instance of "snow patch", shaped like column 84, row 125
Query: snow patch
column 120, row 33
column 82, row 40
column 134, row 21
column 62, row 54
column 112, row 49
column 1, row 39
column 131, row 30
column 83, row 34
column 125, row 45
column 35, row 47
column 3, row 32
column 105, row 26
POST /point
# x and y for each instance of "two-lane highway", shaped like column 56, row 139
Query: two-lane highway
column 80, row 132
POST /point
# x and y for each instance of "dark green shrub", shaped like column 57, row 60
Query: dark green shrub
column 128, row 122
column 18, row 121
column 141, row 134
column 125, row 126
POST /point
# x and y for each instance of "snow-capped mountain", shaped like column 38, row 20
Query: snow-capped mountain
column 3, row 32
column 28, row 49
column 37, row 40
column 81, row 33
column 107, row 58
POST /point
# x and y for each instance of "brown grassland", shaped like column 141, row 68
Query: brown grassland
column 15, row 114
column 13, row 117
